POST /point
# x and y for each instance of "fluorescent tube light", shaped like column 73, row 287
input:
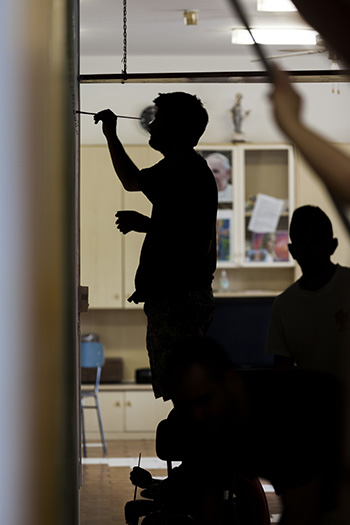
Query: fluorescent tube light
column 276, row 5
column 272, row 36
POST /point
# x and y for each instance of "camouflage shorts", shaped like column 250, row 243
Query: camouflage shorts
column 170, row 319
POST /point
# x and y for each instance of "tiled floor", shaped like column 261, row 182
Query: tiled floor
column 106, row 486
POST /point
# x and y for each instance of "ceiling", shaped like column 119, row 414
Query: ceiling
column 156, row 27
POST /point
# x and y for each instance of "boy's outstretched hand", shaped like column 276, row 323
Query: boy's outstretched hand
column 129, row 220
column 109, row 121
column 141, row 477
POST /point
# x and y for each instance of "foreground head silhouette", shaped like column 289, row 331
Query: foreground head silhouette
column 228, row 425
column 180, row 119
column 312, row 242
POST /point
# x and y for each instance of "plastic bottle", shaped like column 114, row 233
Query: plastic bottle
column 224, row 283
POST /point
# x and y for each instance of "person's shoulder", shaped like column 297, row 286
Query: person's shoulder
column 203, row 171
column 290, row 290
column 343, row 273
column 154, row 169
column 198, row 159
column 345, row 270
column 284, row 297
column 161, row 162
column 182, row 161
column 197, row 170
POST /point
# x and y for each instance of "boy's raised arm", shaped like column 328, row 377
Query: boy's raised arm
column 124, row 167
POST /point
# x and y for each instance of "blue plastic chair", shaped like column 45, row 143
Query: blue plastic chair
column 92, row 356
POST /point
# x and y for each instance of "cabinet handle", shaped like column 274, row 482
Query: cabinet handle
column 117, row 404
column 128, row 403
column 116, row 296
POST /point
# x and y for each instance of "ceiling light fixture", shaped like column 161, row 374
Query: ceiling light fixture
column 272, row 36
column 276, row 5
column 191, row 17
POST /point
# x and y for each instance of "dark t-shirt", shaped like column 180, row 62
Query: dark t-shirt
column 290, row 434
column 293, row 435
column 183, row 193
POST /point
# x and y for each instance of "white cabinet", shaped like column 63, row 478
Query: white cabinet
column 268, row 181
column 100, row 241
column 252, row 177
column 126, row 413
column 112, row 412
column 143, row 412
column 109, row 259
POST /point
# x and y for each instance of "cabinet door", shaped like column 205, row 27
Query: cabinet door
column 112, row 413
column 222, row 160
column 311, row 190
column 143, row 412
column 268, row 186
column 101, row 242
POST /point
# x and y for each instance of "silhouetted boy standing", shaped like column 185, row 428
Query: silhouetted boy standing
column 178, row 256
column 310, row 320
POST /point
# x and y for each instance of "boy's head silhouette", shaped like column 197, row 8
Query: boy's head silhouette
column 311, row 234
column 180, row 120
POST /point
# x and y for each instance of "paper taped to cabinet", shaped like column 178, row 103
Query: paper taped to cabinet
column 265, row 214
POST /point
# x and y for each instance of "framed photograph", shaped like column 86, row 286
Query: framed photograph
column 221, row 164
column 224, row 236
column 269, row 247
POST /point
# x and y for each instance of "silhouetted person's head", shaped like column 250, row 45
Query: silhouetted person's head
column 311, row 235
column 180, row 120
column 203, row 383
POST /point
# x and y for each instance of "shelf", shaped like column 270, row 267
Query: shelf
column 283, row 214
column 247, row 293
column 125, row 386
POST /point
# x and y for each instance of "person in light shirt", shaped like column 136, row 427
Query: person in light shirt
column 310, row 320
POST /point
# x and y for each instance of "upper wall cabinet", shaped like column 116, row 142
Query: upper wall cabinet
column 256, row 197
column 101, row 259
column 109, row 259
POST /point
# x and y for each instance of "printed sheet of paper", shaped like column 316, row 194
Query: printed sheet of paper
column 265, row 215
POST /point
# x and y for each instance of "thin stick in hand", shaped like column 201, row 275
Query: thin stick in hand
column 85, row 112
column 119, row 116
column 258, row 48
column 139, row 463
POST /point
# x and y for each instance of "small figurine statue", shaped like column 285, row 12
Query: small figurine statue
column 238, row 116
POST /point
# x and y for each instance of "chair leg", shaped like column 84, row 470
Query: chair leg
column 100, row 425
column 83, row 428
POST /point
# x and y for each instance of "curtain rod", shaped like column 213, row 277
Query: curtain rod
column 243, row 77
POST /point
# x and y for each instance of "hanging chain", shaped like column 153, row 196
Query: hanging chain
column 125, row 39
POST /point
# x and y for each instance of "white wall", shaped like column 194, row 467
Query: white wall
column 324, row 110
